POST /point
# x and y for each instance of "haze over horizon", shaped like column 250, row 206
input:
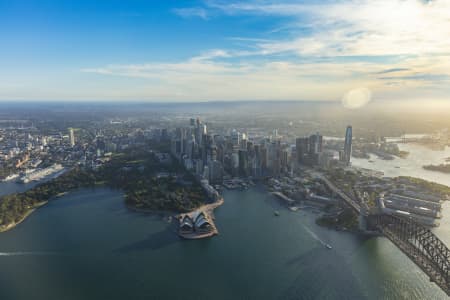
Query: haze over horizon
column 226, row 50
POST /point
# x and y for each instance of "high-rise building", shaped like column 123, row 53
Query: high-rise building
column 235, row 137
column 302, row 148
column 309, row 149
column 215, row 171
column 72, row 137
column 315, row 144
column 348, row 145
column 243, row 162
column 275, row 134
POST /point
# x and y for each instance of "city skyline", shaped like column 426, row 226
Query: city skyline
column 354, row 51
column 225, row 149
column 238, row 181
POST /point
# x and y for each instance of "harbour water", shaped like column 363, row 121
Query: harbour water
column 87, row 245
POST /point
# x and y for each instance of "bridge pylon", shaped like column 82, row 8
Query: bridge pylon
column 362, row 219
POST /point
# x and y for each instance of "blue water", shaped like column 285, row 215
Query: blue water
column 87, row 245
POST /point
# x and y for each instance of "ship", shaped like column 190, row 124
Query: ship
column 11, row 177
column 40, row 174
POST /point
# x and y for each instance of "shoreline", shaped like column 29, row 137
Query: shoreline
column 12, row 225
column 207, row 207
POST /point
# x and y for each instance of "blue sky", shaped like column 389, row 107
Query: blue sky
column 224, row 50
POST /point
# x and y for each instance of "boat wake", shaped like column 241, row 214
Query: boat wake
column 314, row 236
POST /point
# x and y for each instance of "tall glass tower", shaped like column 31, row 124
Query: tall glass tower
column 348, row 145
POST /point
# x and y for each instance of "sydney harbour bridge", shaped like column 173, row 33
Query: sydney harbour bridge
column 419, row 243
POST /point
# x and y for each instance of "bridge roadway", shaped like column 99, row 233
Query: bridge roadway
column 429, row 253
column 352, row 203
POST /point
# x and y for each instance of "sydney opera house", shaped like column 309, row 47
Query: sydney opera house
column 199, row 223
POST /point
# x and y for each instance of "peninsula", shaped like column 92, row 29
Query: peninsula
column 151, row 180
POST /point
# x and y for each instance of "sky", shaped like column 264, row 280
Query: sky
column 214, row 50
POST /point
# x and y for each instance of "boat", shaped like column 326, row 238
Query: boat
column 328, row 246
column 397, row 167
column 38, row 174
column 11, row 177
column 276, row 213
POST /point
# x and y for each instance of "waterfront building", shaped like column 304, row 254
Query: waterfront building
column 186, row 225
column 198, row 222
column 201, row 222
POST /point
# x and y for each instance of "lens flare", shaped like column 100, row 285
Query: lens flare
column 356, row 98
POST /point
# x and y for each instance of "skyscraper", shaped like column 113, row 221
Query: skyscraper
column 315, row 144
column 72, row 137
column 243, row 162
column 348, row 145
column 302, row 148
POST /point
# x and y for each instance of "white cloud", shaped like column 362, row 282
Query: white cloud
column 413, row 34
column 207, row 79
column 367, row 27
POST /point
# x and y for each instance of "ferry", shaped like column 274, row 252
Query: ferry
column 11, row 177
column 39, row 174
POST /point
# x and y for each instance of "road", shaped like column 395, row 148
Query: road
column 355, row 205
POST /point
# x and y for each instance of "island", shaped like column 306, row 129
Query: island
column 443, row 168
column 151, row 180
